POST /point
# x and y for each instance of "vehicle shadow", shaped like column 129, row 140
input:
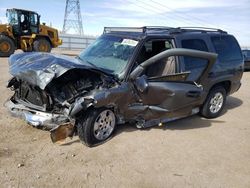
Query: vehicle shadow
column 191, row 122
column 67, row 142
column 231, row 103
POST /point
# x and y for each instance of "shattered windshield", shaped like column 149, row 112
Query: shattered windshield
column 110, row 52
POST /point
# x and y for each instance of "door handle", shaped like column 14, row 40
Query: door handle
column 194, row 94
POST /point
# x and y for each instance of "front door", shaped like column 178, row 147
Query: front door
column 167, row 92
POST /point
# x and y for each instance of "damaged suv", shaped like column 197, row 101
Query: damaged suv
column 146, row 76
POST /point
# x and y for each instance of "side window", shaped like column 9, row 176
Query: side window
column 12, row 17
column 153, row 47
column 22, row 18
column 195, row 44
column 227, row 48
column 166, row 70
column 33, row 19
column 164, row 66
column 194, row 65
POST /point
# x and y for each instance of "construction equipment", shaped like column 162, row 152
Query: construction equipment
column 25, row 32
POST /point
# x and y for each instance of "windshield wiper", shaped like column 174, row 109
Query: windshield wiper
column 93, row 65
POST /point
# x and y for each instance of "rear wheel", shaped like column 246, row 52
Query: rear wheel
column 7, row 46
column 214, row 103
column 41, row 45
column 97, row 126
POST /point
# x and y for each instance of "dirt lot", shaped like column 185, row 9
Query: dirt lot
column 192, row 152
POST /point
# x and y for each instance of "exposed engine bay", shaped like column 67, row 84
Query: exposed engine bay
column 38, row 103
column 60, row 91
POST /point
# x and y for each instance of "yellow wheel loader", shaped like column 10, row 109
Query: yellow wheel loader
column 25, row 32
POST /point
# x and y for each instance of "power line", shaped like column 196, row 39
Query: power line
column 184, row 19
column 180, row 14
column 174, row 17
column 150, row 9
column 193, row 18
column 169, row 15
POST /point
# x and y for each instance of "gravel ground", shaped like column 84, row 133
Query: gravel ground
column 192, row 152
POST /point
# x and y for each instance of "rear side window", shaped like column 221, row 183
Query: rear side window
column 227, row 48
column 195, row 44
column 194, row 65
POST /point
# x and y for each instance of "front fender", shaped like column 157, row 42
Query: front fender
column 118, row 97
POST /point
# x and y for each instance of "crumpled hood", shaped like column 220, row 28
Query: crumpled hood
column 39, row 69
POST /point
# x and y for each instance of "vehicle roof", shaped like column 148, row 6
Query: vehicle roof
column 22, row 10
column 139, row 32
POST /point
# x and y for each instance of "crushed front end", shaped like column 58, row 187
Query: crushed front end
column 59, row 93
column 50, row 97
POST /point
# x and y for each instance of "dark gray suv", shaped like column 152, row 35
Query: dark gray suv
column 146, row 76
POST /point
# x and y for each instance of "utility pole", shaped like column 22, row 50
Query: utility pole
column 72, row 17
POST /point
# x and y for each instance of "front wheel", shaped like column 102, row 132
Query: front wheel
column 41, row 45
column 7, row 46
column 97, row 126
column 214, row 103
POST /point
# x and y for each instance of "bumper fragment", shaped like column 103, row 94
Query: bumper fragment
column 61, row 132
column 34, row 117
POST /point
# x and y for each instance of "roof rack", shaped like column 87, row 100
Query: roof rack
column 123, row 29
column 144, row 29
column 170, row 30
column 201, row 29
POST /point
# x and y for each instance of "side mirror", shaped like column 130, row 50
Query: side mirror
column 141, row 84
column 137, row 72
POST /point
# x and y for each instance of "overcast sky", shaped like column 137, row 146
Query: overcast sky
column 230, row 15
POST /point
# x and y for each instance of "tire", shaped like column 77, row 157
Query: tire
column 214, row 103
column 7, row 46
column 102, row 121
column 41, row 45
